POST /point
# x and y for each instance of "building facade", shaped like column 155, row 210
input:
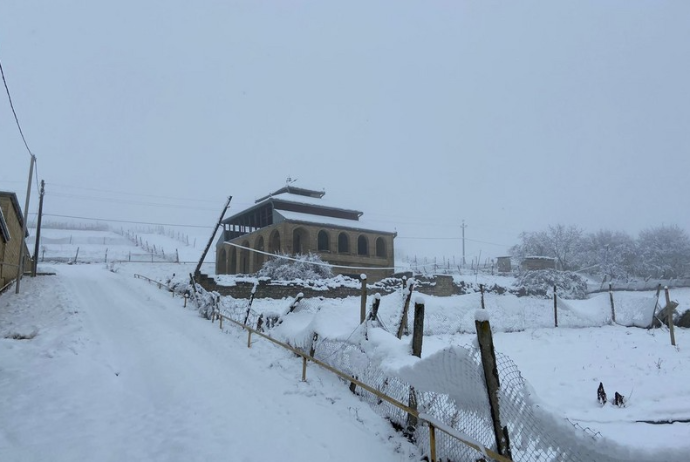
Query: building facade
column 11, row 239
column 298, row 221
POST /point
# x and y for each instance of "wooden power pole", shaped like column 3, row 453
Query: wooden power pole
column 38, row 229
column 197, row 271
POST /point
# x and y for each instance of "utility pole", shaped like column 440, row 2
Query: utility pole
column 24, row 230
column 197, row 271
column 38, row 229
column 463, row 242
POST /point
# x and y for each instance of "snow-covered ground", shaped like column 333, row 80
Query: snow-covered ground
column 107, row 345
column 97, row 365
column 148, row 245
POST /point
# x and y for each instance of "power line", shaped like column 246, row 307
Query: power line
column 286, row 257
column 125, row 201
column 16, row 119
column 131, row 193
column 124, row 221
column 452, row 239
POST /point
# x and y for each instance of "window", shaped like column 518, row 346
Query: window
column 343, row 243
column 362, row 246
column 380, row 247
column 4, row 231
column 323, row 241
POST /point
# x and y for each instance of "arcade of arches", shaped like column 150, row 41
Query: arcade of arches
column 341, row 247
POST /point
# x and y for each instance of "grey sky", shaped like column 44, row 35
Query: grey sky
column 510, row 115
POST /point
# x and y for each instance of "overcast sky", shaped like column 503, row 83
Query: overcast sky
column 509, row 115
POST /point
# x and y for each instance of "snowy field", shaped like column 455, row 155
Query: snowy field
column 145, row 245
column 108, row 360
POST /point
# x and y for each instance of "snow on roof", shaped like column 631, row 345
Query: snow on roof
column 329, row 221
column 291, row 198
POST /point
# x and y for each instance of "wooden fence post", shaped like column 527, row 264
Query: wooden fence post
column 481, row 289
column 411, row 419
column 314, row 339
column 249, row 305
column 402, row 328
column 295, row 302
column 488, row 355
column 432, row 442
column 555, row 307
column 669, row 313
column 418, row 328
column 613, row 309
column 363, row 304
column 373, row 315
column 417, row 334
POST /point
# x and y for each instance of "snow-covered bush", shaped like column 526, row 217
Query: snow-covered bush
column 540, row 283
column 303, row 267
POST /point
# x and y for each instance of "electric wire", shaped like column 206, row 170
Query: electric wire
column 129, row 202
column 130, row 193
column 329, row 265
column 123, row 221
column 16, row 119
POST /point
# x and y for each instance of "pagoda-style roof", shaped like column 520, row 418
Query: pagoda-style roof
column 299, row 205
column 294, row 190
column 290, row 199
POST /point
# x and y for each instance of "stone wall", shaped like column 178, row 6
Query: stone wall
column 440, row 286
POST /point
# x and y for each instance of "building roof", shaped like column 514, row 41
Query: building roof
column 294, row 190
column 328, row 221
column 300, row 200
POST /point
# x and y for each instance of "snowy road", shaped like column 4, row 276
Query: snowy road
column 119, row 371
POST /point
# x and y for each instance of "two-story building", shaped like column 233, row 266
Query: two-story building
column 295, row 221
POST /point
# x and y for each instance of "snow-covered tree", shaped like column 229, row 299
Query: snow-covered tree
column 560, row 242
column 664, row 252
column 613, row 253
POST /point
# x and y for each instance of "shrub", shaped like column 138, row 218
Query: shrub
column 303, row 267
column 540, row 284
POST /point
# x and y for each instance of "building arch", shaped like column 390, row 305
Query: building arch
column 343, row 243
column 244, row 258
column 274, row 242
column 323, row 241
column 222, row 266
column 259, row 257
column 300, row 241
column 362, row 245
column 381, row 247
column 232, row 268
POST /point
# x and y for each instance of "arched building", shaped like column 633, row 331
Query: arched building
column 298, row 221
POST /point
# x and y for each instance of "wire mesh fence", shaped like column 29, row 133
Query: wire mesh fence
column 535, row 434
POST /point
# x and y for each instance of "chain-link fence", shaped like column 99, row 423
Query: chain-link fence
column 459, row 400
